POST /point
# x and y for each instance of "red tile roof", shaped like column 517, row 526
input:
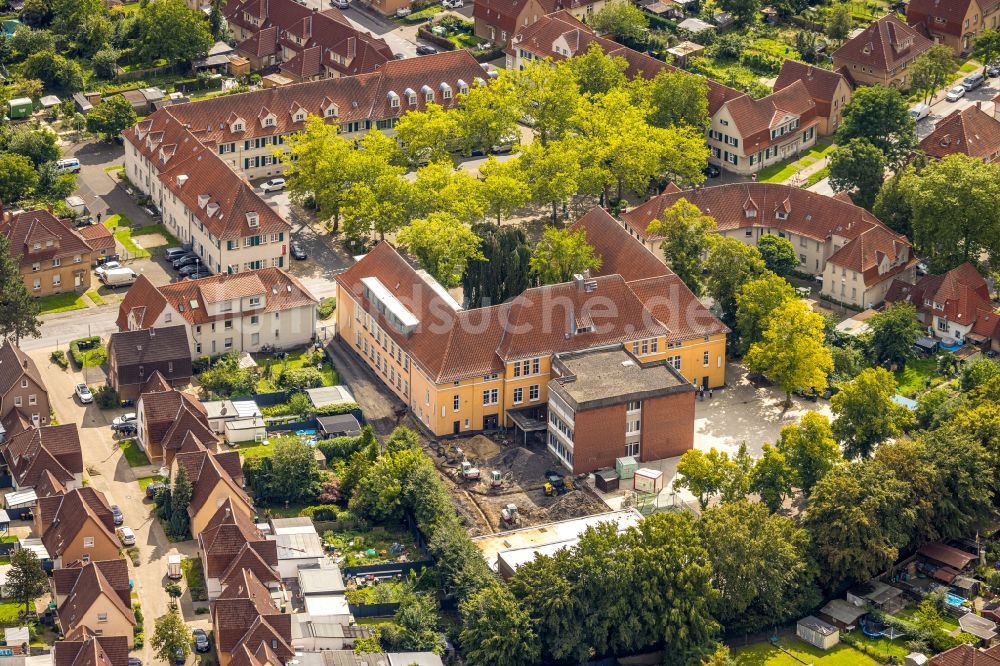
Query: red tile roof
column 55, row 238
column 94, row 583
column 206, row 472
column 822, row 84
column 82, row 647
column 961, row 295
column 225, row 538
column 966, row 655
column 884, row 45
column 946, row 555
column 55, row 449
column 65, row 515
column 620, row 253
column 99, row 238
column 925, row 14
column 969, row 131
column 169, row 416
column 15, row 365
column 754, row 118
column 245, row 614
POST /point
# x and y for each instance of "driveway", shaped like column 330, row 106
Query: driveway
column 376, row 401
column 99, row 190
column 941, row 107
column 108, row 471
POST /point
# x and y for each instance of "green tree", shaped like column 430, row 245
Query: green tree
column 597, row 73
column 550, row 95
column 561, row 254
column 954, row 212
column 35, row 14
column 18, row 310
column 54, row 70
column 746, row 12
column 621, row 20
column 18, row 177
column 986, row 47
column 27, row 41
column 26, row 580
column 295, row 471
column 180, row 499
column 760, row 566
column 792, row 352
column 379, row 200
column 721, row 657
column 859, row 517
column 703, row 474
column 810, row 450
column 865, row 413
column 379, row 492
column 685, row 233
column 171, row 638
column 932, row 69
column 415, row 624
column 69, row 16
column 319, row 163
column 496, row 631
column 731, row 264
column 111, row 117
column 552, row 172
column 755, row 302
column 442, row 245
column 772, row 477
column 504, row 188
column 679, row 98
column 217, row 22
column 545, row 589
column 39, row 145
column 439, row 188
column 840, row 22
column 893, row 334
column 105, row 63
column 427, row 136
column 977, row 372
column 880, row 115
column 858, row 168
column 778, row 254
column 171, row 30
column 501, row 270
column 891, row 206
column 488, row 115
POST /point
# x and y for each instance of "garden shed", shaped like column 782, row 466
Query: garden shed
column 328, row 396
column 983, row 629
column 944, row 555
column 842, row 613
column 20, row 107
column 238, row 431
column 339, row 425
column 816, row 632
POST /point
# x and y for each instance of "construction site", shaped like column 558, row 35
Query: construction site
column 501, row 486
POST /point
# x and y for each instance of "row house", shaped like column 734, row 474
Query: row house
column 882, row 53
column 31, row 454
column 462, row 371
column 22, row 388
column 955, row 23
column 84, row 647
column 498, row 21
column 857, row 256
column 95, row 597
column 969, row 131
column 830, row 91
column 52, row 256
column 216, row 478
column 77, row 526
column 245, row 131
column 223, row 313
column 303, row 42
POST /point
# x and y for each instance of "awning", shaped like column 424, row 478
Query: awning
column 526, row 423
column 21, row 498
column 929, row 344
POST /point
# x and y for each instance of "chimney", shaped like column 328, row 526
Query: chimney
column 351, row 47
column 25, row 364
column 152, row 332
column 979, row 105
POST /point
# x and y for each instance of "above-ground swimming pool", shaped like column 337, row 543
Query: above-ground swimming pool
column 955, row 600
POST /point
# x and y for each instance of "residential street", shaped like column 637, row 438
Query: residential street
column 108, row 472
column 941, row 107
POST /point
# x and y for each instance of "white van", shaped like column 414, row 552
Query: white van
column 68, row 165
column 118, row 277
column 919, row 112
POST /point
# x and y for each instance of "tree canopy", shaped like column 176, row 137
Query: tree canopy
column 561, row 254
column 685, row 240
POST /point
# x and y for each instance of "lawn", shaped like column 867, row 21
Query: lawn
column 61, row 303
column 10, row 613
column 144, row 481
column 120, row 226
column 195, row 578
column 292, row 361
column 256, row 450
column 94, row 297
column 782, row 171
column 816, row 177
column 133, row 454
column 883, row 647
column 765, row 654
column 371, row 546
column 916, row 376
column 969, row 67
column 117, row 167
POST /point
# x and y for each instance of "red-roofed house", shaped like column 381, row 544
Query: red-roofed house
column 231, row 542
column 969, row 131
column 955, row 22
column 77, row 527
column 856, row 254
column 166, row 419
column 52, row 256
column 83, row 647
column 499, row 20
column 222, row 313
column 95, row 596
column 882, row 53
column 22, row 388
column 955, row 305
column 829, row 90
column 244, row 614
column 470, row 370
column 31, row 453
column 216, row 479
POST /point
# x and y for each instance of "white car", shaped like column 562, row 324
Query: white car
column 273, row 185
column 126, row 536
column 453, row 4
column 84, row 394
column 403, row 11
column 340, row 4
column 106, row 266
column 955, row 94
column 125, row 418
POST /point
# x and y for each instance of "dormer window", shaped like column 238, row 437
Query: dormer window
column 428, row 93
column 202, row 200
column 750, row 213
column 238, row 126
column 393, row 100
column 781, row 215
column 332, row 111
column 269, row 122
column 445, row 91
column 411, row 96
column 212, row 209
column 253, row 220
column 38, row 246
column 299, row 117
column 463, row 87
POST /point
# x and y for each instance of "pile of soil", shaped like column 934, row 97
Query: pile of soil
column 575, row 504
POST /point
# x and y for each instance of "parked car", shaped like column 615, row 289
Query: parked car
column 452, row 4
column 84, row 394
column 126, row 535
column 118, row 277
column 186, row 260
column 403, row 11
column 297, row 251
column 125, row 428
column 125, row 418
column 152, row 211
column 117, row 514
column 920, row 111
column 275, row 184
column 106, row 266
column 712, row 171
column 174, row 253
column 922, row 268
column 955, row 94
column 993, row 70
column 201, row 643
column 179, row 654
column 134, row 661
column 340, row 4
column 154, row 488
column 973, row 81
column 68, row 165
column 426, row 50
column 194, row 272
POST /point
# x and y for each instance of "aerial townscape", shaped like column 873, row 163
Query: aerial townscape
column 499, row 332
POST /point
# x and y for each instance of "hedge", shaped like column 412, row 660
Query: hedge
column 437, row 40
column 331, row 410
column 77, row 354
column 300, row 378
column 339, row 448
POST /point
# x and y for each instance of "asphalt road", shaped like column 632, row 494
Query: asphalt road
column 941, row 107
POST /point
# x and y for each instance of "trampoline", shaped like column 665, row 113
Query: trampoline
column 873, row 627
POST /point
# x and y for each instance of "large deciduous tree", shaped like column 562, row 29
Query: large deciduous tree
column 866, row 414
column 319, row 163
column 428, row 135
column 18, row 177
column 986, row 47
column 597, row 73
column 550, row 95
column 487, row 115
column 496, row 631
column 858, row 168
column 552, row 171
column 171, row 30
column 893, row 334
column 503, row 270
column 810, row 450
column 755, row 302
column 772, row 477
column 679, row 98
column 26, row 580
column 621, row 20
column 792, row 352
column 685, row 233
column 932, row 69
column 18, row 310
column 880, row 115
column 111, row 117
column 504, row 188
column 443, row 245
column 295, row 472
column 171, row 638
column 561, row 254
column 731, row 264
column 778, row 253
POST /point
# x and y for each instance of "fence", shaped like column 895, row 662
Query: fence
column 373, row 610
column 403, row 568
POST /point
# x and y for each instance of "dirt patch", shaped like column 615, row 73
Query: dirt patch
column 147, row 241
